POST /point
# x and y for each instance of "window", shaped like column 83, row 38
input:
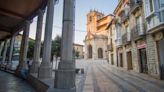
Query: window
column 128, row 33
column 151, row 5
column 162, row 16
column 90, row 19
column 138, row 23
column 161, row 3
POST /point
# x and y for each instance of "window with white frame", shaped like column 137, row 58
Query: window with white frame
column 139, row 25
column 149, row 7
column 161, row 3
column 162, row 16
column 115, row 32
column 128, row 33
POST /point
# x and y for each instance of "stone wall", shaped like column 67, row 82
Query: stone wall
column 152, row 60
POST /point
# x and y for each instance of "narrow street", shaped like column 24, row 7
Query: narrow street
column 102, row 77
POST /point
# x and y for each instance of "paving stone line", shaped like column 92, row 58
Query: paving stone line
column 127, row 81
column 95, row 83
column 134, row 76
column 106, row 84
column 115, row 82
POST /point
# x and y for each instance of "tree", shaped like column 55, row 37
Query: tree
column 56, row 47
column 30, row 52
column 77, row 54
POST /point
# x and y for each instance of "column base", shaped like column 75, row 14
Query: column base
column 64, row 79
column 35, row 67
column 65, row 76
column 45, row 71
column 61, row 90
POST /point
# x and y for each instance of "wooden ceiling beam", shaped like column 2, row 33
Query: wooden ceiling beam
column 11, row 14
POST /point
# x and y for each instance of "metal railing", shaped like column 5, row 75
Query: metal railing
column 119, row 41
column 134, row 4
column 138, row 31
column 124, row 17
column 124, row 38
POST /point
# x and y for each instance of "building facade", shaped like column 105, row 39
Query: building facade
column 96, row 38
column 154, row 15
column 79, row 53
column 135, row 37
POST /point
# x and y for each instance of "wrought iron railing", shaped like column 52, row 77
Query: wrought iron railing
column 124, row 17
column 119, row 41
column 138, row 31
column 124, row 38
column 134, row 4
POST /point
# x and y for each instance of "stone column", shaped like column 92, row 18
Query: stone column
column 9, row 63
column 86, row 51
column 1, row 48
column 4, row 51
column 35, row 65
column 24, row 48
column 94, row 50
column 45, row 69
column 65, row 75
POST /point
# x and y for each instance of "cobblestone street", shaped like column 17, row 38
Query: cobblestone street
column 102, row 77
column 10, row 83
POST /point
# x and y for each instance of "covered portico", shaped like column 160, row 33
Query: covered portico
column 16, row 16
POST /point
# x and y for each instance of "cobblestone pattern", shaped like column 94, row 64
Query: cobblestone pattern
column 102, row 77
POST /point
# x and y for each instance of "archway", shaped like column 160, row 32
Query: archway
column 100, row 53
column 89, row 51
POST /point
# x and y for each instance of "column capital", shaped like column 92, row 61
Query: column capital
column 41, row 11
column 29, row 21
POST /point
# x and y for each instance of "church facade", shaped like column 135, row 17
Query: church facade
column 96, row 38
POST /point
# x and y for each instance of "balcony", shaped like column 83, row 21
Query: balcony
column 138, row 31
column 110, row 47
column 124, row 17
column 155, row 21
column 134, row 5
column 126, row 38
column 119, row 42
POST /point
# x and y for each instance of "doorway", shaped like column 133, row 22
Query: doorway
column 112, row 60
column 161, row 57
column 90, row 51
column 129, row 60
column 100, row 53
column 121, row 60
column 143, row 60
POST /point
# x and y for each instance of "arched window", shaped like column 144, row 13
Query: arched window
column 100, row 53
column 89, row 51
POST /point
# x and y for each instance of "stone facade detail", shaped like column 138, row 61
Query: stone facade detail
column 153, row 64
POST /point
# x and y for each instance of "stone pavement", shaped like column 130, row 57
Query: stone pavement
column 102, row 77
column 10, row 83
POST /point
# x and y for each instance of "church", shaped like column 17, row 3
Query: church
column 96, row 38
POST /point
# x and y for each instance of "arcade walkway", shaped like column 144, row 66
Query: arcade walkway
column 10, row 83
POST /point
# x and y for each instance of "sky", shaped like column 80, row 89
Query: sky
column 82, row 8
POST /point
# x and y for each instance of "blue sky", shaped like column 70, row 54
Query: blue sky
column 82, row 8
